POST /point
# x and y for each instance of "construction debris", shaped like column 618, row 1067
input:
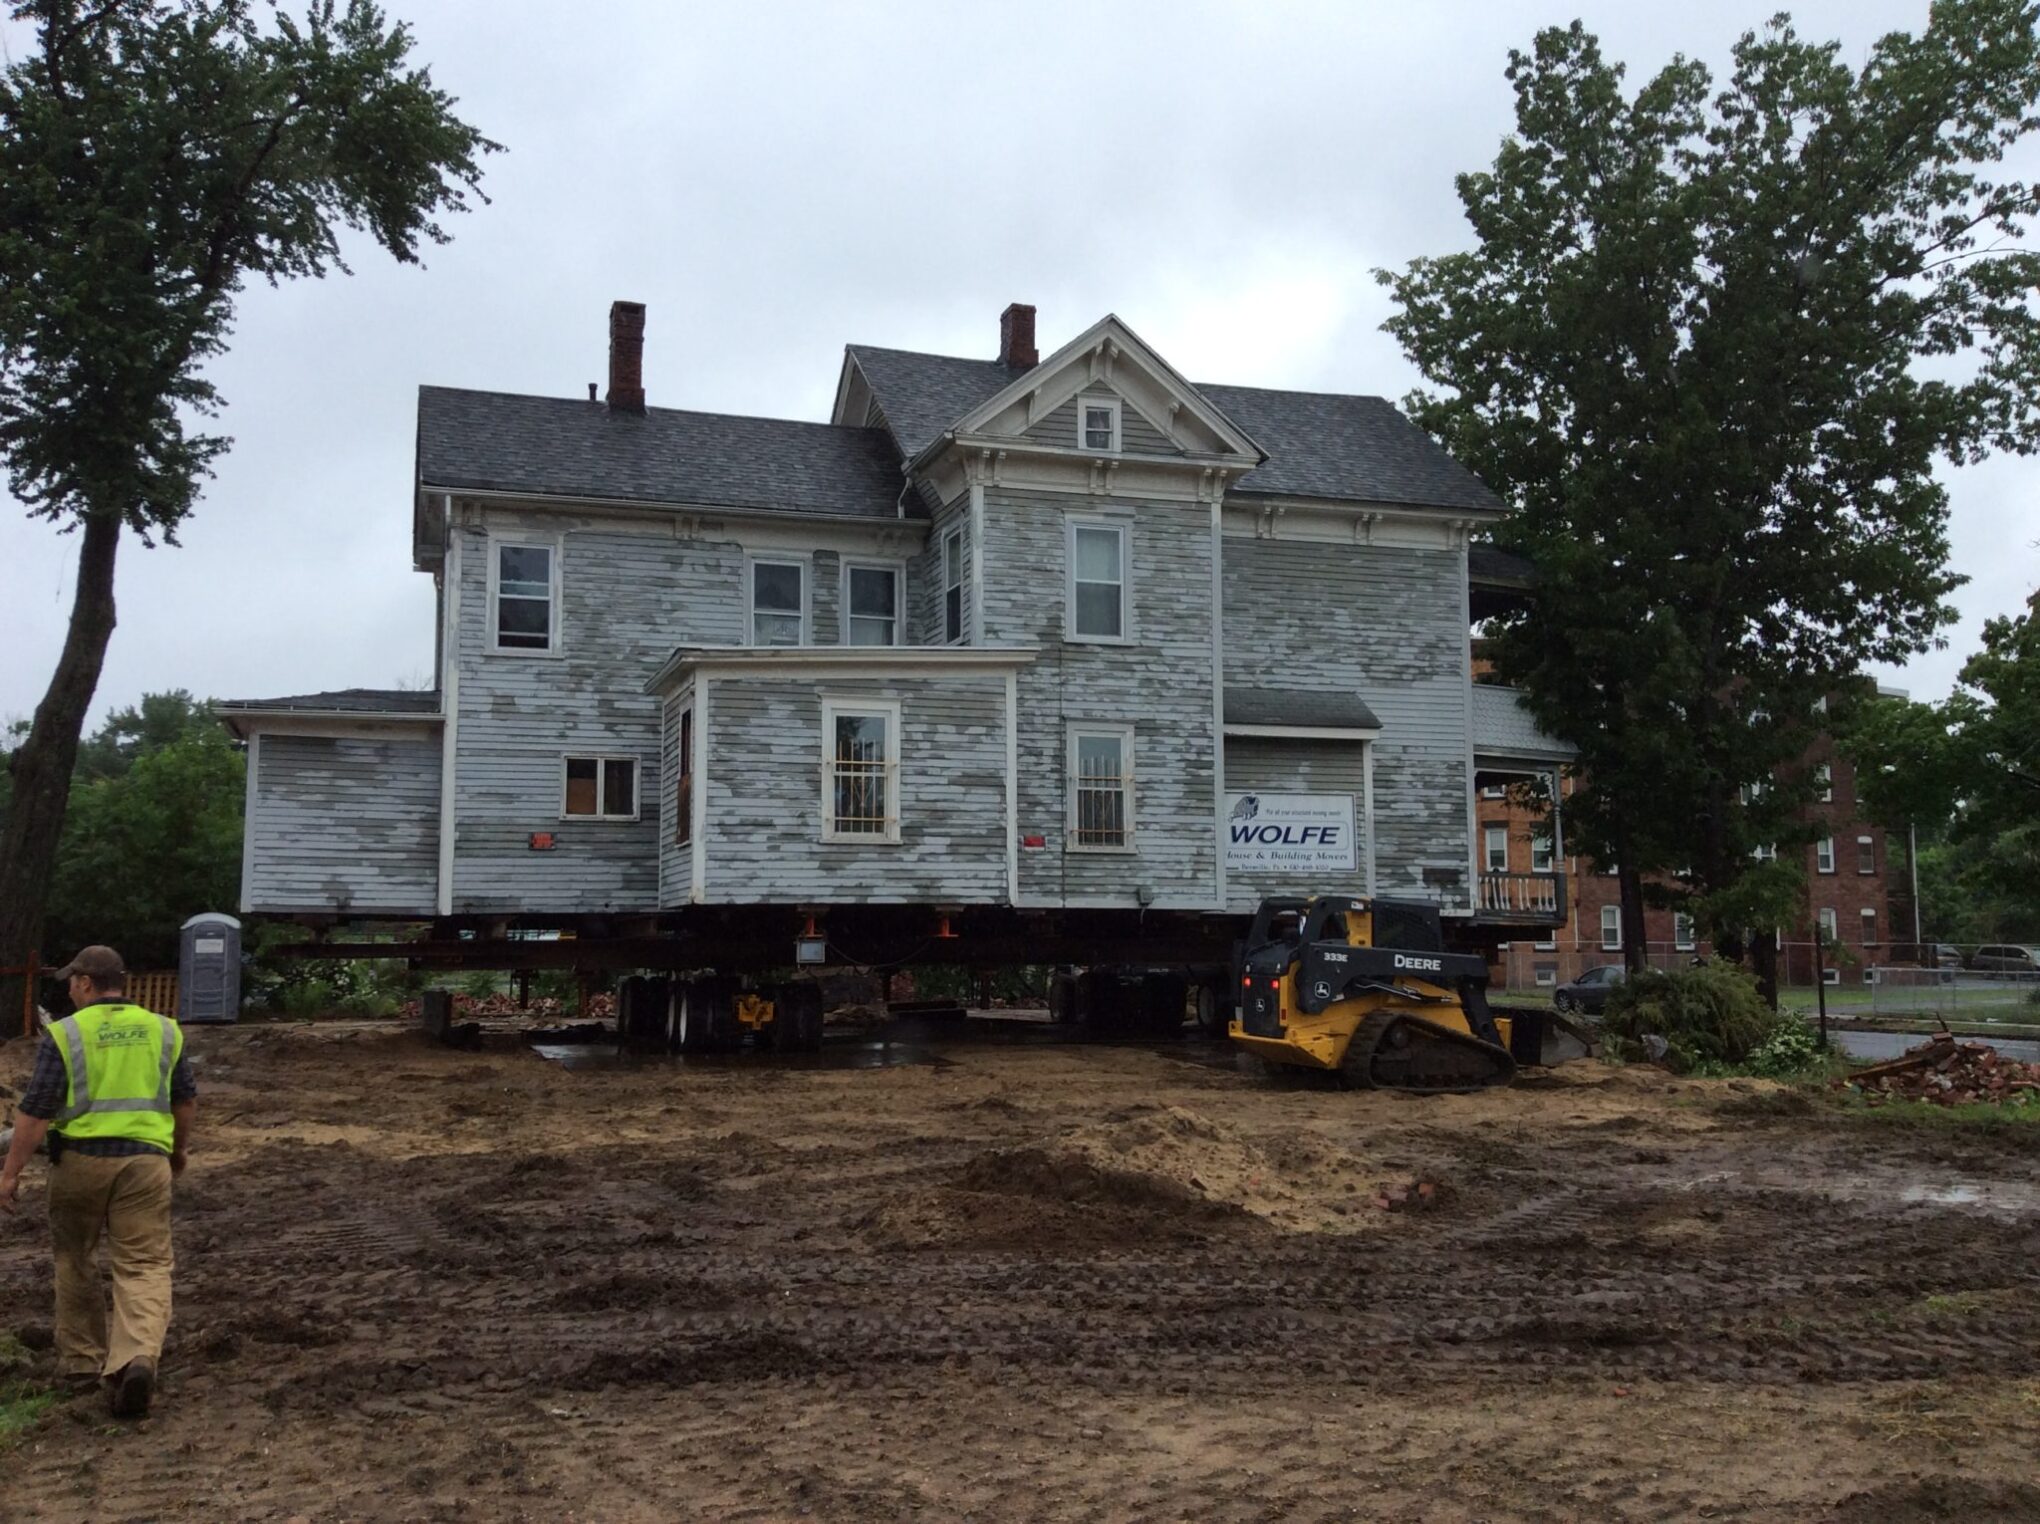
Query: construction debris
column 1949, row 1073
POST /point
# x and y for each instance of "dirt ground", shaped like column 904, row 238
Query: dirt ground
column 1053, row 1282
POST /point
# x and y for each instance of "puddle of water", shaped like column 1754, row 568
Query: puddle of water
column 862, row 1055
column 2011, row 1197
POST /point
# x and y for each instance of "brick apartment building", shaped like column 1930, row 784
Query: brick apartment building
column 1858, row 894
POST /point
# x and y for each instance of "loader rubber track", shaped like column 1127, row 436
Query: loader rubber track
column 1393, row 1049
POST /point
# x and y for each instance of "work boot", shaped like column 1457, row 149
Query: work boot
column 132, row 1388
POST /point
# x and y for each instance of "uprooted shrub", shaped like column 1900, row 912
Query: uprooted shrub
column 1711, row 1013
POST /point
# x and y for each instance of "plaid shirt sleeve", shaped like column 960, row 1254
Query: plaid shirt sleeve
column 47, row 1084
column 182, row 1086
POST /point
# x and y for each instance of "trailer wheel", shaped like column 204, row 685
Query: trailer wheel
column 797, row 1018
column 1062, row 998
column 705, row 1017
column 1214, row 1008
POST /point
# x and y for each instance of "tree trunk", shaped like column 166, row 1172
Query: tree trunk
column 1764, row 958
column 42, row 767
column 1635, row 930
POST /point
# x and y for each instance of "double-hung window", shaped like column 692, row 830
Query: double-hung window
column 1101, row 787
column 860, row 770
column 1497, row 843
column 871, row 605
column 1541, row 858
column 1869, row 927
column 1098, row 581
column 599, row 788
column 952, row 587
column 1682, row 931
column 1824, row 854
column 1824, row 777
column 1830, row 925
column 526, row 584
column 778, row 603
column 1866, row 854
column 1611, row 928
column 683, row 787
column 1098, row 423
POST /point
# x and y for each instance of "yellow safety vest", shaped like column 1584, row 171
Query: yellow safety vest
column 118, row 1058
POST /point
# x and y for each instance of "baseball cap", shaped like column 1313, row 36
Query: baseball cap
column 102, row 965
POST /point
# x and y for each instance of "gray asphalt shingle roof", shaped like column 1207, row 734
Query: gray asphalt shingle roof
column 499, row 441
column 347, row 701
column 1298, row 707
column 1319, row 444
column 1503, row 727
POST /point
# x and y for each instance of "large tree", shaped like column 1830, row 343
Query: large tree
column 155, row 155
column 1712, row 342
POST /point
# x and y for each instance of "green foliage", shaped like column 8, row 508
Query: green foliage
column 1712, row 341
column 1791, row 1051
column 1711, row 1013
column 153, row 839
column 947, row 981
column 154, row 156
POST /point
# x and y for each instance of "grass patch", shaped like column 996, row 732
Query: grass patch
column 1977, row 1115
column 22, row 1400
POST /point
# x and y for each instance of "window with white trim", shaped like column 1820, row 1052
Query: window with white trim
column 1496, row 841
column 871, row 605
column 683, row 782
column 778, row 603
column 1830, row 926
column 1493, row 791
column 860, row 770
column 1830, row 976
column 1097, row 581
column 1541, row 858
column 1682, row 931
column 1824, row 854
column 1866, row 855
column 1611, row 928
column 952, row 587
column 1824, row 777
column 598, row 788
column 1869, row 927
column 1098, row 423
column 526, row 581
column 1101, row 788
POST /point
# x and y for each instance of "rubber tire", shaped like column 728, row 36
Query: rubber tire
column 1214, row 1009
column 1102, row 1003
column 1062, row 999
column 1564, row 1002
column 706, row 1021
column 797, row 1018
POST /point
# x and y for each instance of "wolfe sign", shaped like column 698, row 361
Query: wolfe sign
column 1267, row 833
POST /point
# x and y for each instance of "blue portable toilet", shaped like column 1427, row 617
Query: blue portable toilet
column 209, row 969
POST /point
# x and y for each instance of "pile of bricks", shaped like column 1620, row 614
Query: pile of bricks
column 470, row 1007
column 1949, row 1073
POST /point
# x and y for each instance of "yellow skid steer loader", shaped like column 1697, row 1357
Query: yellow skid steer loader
column 1366, row 988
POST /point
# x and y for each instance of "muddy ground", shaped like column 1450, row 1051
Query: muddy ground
column 1054, row 1282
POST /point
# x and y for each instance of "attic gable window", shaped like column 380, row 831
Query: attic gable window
column 1098, row 423
column 524, row 581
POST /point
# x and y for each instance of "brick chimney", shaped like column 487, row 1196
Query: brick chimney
column 627, row 356
column 1016, row 337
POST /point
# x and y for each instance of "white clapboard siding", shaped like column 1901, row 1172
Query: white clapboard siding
column 344, row 825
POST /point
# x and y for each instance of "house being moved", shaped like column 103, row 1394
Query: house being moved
column 1027, row 650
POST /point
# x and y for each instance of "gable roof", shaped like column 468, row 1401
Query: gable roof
column 565, row 447
column 346, row 701
column 1319, row 444
column 921, row 395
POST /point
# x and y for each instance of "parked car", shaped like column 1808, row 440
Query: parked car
column 1589, row 993
column 2006, row 957
column 1943, row 955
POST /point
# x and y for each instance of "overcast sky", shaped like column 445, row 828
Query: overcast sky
column 778, row 180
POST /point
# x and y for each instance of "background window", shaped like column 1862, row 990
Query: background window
column 1830, row 927
column 873, row 615
column 777, row 602
column 1866, row 855
column 862, row 788
column 1497, row 846
column 952, row 587
column 1682, row 931
column 1824, row 780
column 524, row 597
column 1103, row 789
column 1869, row 927
column 1611, row 928
column 601, row 788
column 1541, row 860
column 1098, row 581
column 683, row 790
column 1824, row 854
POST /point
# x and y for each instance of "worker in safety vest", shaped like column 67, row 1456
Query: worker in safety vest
column 112, row 1091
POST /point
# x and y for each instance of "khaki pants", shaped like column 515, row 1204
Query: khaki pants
column 129, row 1200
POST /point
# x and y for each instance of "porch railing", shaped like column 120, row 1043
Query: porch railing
column 1537, row 898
